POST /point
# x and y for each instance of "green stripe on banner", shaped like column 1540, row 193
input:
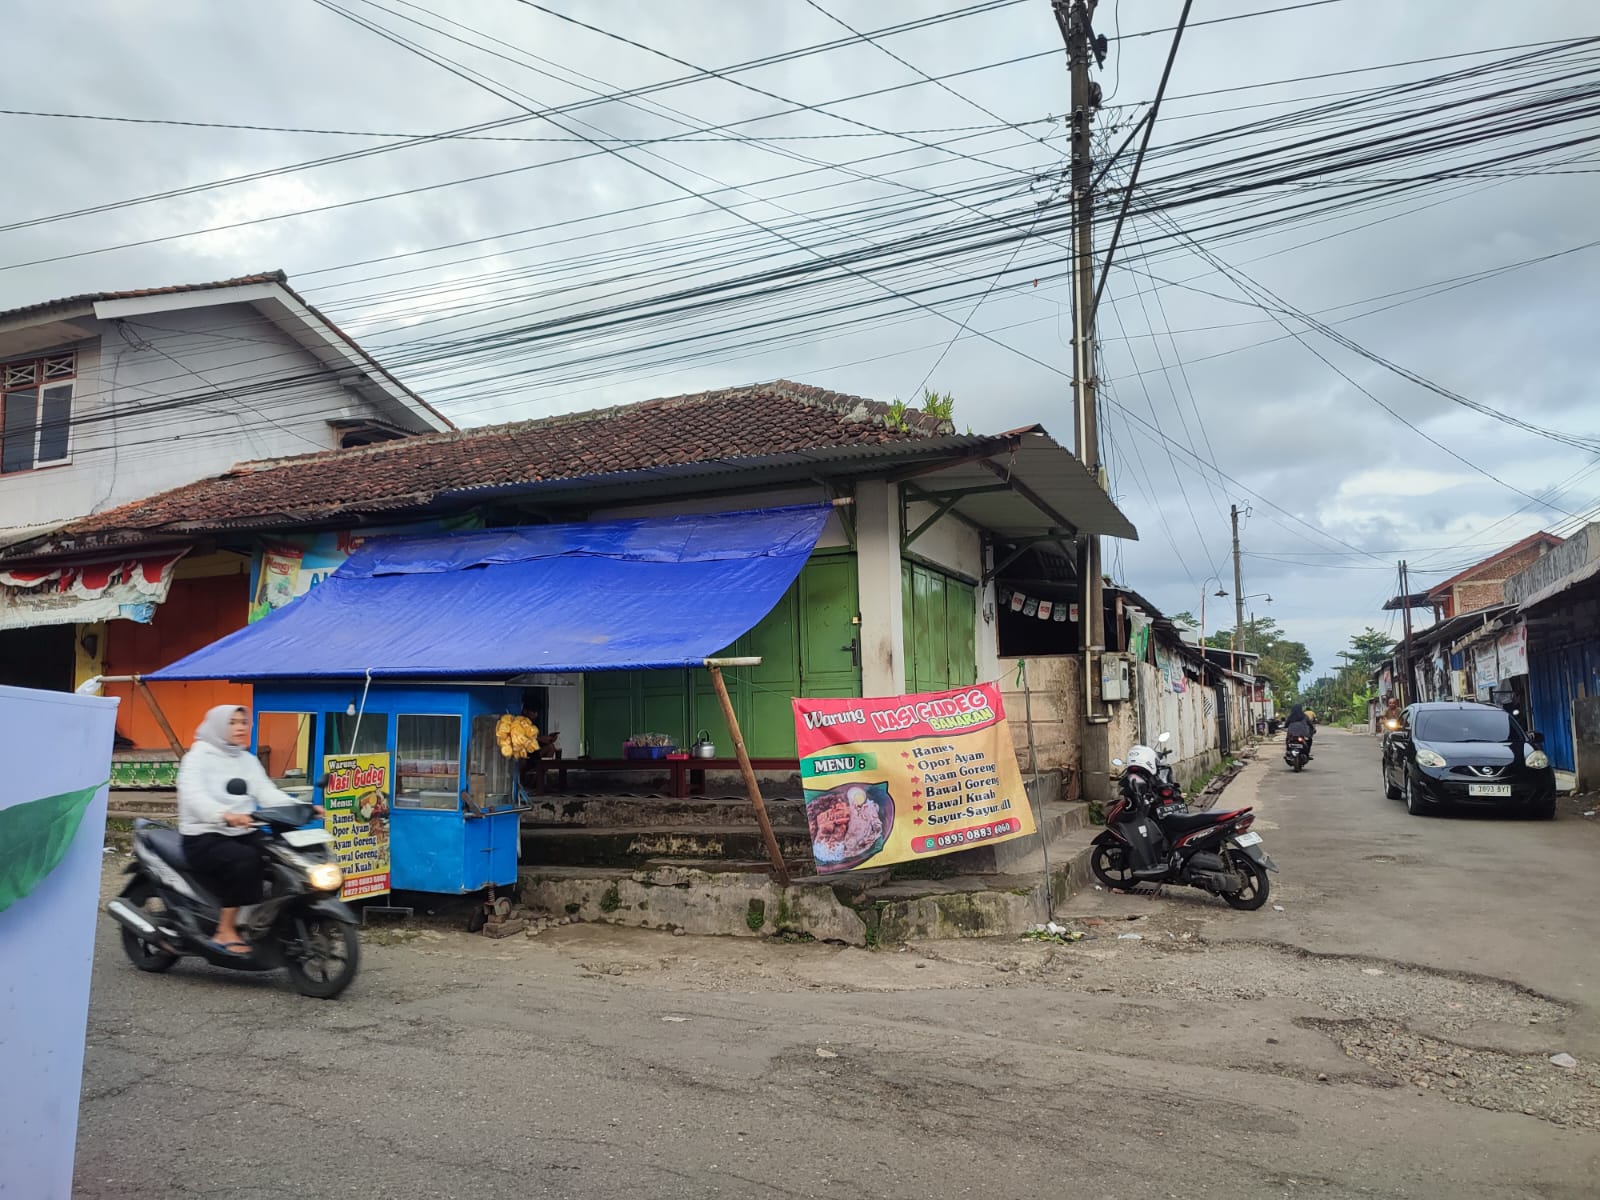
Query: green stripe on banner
column 34, row 838
column 836, row 764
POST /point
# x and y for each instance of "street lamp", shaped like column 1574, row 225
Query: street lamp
column 1219, row 592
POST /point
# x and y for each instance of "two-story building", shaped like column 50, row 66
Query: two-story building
column 111, row 397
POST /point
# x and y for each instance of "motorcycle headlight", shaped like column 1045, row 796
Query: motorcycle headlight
column 1429, row 758
column 325, row 877
column 1538, row 760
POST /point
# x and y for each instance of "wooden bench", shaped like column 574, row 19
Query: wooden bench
column 687, row 776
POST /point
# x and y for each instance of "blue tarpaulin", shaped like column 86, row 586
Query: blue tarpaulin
column 493, row 604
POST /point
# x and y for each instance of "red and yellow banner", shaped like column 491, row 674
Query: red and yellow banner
column 898, row 778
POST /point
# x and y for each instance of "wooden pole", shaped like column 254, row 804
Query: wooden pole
column 778, row 865
column 149, row 698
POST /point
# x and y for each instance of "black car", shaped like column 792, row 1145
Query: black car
column 1455, row 754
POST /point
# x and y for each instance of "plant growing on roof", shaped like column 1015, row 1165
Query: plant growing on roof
column 940, row 407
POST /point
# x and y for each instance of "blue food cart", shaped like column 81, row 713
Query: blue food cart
column 451, row 801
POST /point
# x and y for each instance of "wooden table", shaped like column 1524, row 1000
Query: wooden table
column 687, row 776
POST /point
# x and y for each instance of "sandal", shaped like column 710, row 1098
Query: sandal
column 243, row 950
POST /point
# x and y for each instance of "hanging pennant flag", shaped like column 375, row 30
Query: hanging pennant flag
column 1031, row 608
column 1060, row 614
column 1017, row 601
column 1045, row 607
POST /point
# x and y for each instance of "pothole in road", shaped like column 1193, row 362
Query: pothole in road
column 1490, row 1079
column 1395, row 860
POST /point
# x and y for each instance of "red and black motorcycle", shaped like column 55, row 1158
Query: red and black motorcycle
column 1149, row 841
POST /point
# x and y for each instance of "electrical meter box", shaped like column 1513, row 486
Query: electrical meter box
column 1114, row 670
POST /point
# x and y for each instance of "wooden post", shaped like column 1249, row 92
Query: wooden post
column 715, row 665
column 149, row 698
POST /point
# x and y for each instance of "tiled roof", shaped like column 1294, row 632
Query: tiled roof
column 171, row 289
column 754, row 422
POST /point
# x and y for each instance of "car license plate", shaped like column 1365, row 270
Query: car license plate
column 1488, row 789
column 1248, row 839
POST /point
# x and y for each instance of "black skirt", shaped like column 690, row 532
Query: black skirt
column 229, row 867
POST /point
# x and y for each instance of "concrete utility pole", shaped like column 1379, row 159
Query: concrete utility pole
column 1237, row 641
column 1405, row 653
column 1074, row 18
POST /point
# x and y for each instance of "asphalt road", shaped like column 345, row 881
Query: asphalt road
column 1386, row 1034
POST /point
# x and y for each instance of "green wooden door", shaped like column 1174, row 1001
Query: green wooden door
column 829, row 656
column 939, row 613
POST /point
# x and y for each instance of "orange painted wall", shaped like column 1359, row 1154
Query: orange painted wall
column 196, row 613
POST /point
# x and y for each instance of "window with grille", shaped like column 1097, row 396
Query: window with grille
column 36, row 411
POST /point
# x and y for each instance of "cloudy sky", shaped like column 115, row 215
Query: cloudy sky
column 652, row 205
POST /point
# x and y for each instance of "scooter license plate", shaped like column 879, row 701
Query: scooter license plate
column 301, row 838
column 1248, row 839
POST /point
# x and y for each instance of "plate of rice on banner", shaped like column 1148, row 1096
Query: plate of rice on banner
column 849, row 824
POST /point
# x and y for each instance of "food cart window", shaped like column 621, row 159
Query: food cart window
column 284, row 742
column 342, row 734
column 428, row 762
column 489, row 772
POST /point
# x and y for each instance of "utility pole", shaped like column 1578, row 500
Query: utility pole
column 1405, row 653
column 1074, row 18
column 1238, row 591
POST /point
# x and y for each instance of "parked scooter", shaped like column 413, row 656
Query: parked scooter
column 301, row 925
column 1154, row 838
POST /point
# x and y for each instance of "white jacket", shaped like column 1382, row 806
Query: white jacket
column 203, row 789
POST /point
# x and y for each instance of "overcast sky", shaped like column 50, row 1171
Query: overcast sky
column 1217, row 376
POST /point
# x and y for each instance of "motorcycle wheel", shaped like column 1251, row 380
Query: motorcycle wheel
column 1257, row 888
column 147, row 956
column 334, row 959
column 1110, row 866
column 1298, row 763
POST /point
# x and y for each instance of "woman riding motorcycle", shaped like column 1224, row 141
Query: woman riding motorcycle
column 217, row 827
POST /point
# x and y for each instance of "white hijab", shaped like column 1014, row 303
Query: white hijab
column 213, row 731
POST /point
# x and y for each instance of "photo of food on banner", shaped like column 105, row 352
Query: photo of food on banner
column 849, row 823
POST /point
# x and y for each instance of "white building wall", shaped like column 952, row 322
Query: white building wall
column 126, row 447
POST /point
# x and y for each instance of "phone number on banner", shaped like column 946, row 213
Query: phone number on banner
column 965, row 837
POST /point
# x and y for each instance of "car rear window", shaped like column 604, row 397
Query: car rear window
column 1463, row 725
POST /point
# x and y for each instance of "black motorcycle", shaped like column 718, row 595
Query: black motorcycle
column 1151, row 839
column 300, row 925
column 1296, row 751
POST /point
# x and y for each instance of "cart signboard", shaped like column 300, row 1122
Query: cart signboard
column 356, row 797
column 900, row 778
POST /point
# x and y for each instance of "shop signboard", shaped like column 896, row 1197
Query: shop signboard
column 1487, row 669
column 356, row 797
column 1512, row 650
column 901, row 778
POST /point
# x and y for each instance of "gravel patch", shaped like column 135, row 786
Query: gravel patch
column 1491, row 1079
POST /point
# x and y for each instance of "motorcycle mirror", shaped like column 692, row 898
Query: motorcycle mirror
column 238, row 787
column 1116, row 762
column 1164, row 738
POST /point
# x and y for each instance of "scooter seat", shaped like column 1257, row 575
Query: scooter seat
column 1189, row 822
column 168, row 846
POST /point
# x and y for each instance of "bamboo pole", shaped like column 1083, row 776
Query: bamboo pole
column 714, row 666
column 149, row 698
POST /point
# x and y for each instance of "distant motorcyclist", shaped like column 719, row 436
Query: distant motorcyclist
column 1300, row 724
column 1391, row 715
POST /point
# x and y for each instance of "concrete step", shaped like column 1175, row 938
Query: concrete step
column 737, row 897
column 157, row 805
column 1057, row 820
column 625, row 847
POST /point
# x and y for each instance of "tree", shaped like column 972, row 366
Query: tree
column 1282, row 661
